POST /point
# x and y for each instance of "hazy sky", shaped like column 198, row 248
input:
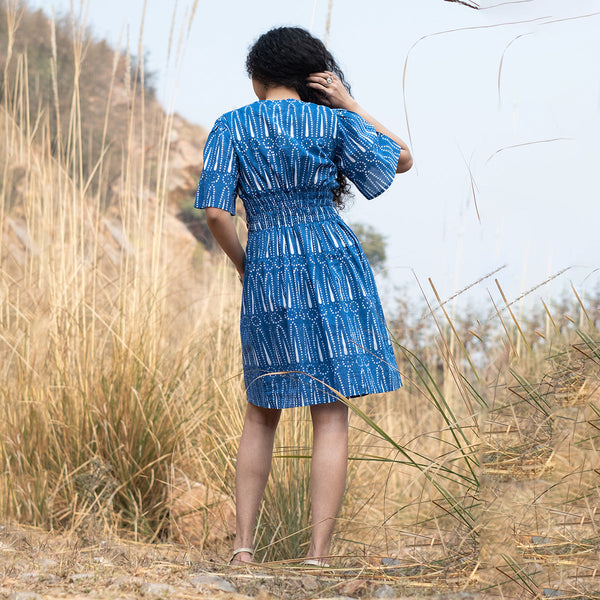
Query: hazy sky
column 482, row 104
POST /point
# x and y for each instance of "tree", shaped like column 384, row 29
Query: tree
column 373, row 243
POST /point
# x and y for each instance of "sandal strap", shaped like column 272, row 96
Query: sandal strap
column 315, row 562
column 240, row 550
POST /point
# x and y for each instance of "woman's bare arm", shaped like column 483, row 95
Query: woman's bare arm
column 338, row 97
column 220, row 223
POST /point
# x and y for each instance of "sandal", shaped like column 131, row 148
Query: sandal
column 315, row 562
column 237, row 551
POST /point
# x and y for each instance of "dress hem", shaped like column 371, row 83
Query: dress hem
column 333, row 398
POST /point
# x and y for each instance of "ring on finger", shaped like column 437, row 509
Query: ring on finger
column 329, row 81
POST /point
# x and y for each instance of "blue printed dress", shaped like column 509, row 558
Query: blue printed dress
column 311, row 318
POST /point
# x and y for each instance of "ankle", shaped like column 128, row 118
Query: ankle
column 317, row 552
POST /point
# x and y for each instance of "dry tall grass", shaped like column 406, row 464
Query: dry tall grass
column 100, row 386
column 119, row 358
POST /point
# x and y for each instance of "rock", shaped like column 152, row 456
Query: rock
column 116, row 230
column 185, row 157
column 124, row 582
column 263, row 594
column 48, row 563
column 385, row 591
column 6, row 547
column 391, row 562
column 310, row 583
column 552, row 593
column 77, row 577
column 200, row 514
column 21, row 231
column 24, row 596
column 37, row 577
column 212, row 582
column 156, row 590
column 336, row 598
column 352, row 587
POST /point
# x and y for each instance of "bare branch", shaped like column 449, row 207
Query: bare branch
column 469, row 3
column 559, row 139
column 429, row 35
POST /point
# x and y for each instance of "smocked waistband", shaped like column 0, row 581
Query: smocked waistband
column 282, row 209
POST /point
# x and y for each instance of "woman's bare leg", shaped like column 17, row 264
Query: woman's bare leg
column 252, row 472
column 328, row 472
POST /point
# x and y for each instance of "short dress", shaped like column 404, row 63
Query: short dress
column 312, row 325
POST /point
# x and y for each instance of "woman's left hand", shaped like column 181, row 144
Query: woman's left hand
column 333, row 90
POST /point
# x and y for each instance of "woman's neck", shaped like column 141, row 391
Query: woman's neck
column 280, row 92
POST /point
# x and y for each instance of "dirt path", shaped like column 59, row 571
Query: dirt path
column 37, row 565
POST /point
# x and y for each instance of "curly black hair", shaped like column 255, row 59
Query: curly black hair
column 287, row 56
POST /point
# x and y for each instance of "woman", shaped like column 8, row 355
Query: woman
column 311, row 319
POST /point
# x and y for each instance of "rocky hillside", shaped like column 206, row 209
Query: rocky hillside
column 116, row 114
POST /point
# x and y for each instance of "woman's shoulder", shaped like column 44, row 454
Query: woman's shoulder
column 256, row 115
column 240, row 114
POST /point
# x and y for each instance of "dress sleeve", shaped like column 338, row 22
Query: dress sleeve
column 219, row 178
column 368, row 158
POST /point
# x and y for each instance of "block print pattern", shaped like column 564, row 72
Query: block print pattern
column 311, row 318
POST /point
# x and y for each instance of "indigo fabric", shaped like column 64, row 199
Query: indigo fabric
column 311, row 318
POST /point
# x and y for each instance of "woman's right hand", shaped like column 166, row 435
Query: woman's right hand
column 332, row 89
column 337, row 96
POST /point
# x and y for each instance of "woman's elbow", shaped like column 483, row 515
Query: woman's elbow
column 214, row 216
column 405, row 162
